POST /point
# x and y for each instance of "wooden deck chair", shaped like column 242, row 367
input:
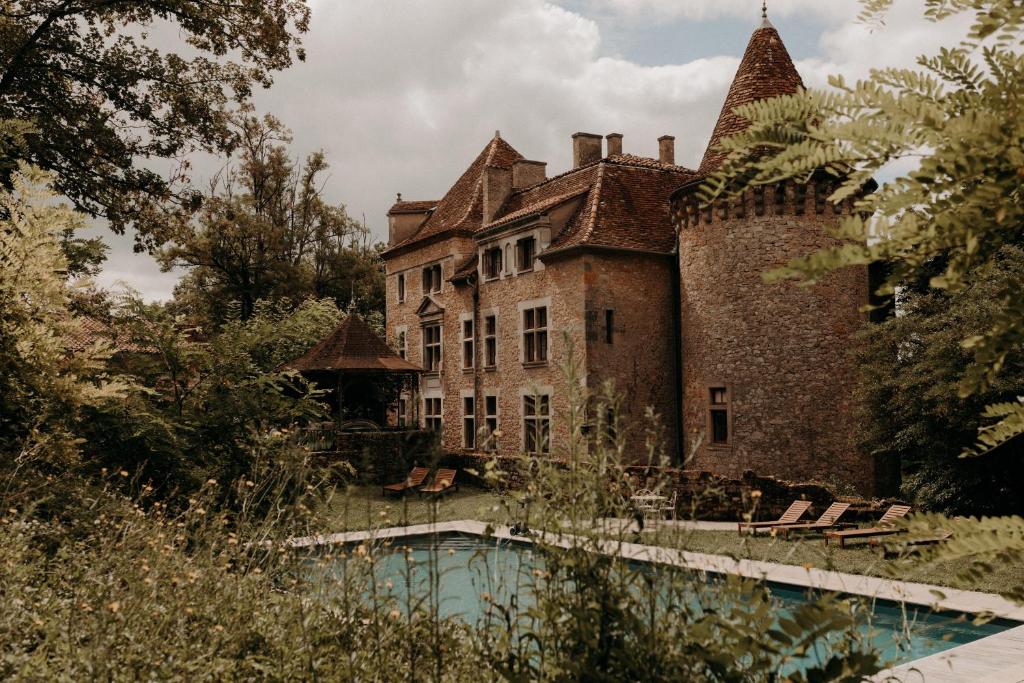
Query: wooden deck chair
column 891, row 550
column 415, row 479
column 885, row 526
column 444, row 481
column 828, row 520
column 792, row 514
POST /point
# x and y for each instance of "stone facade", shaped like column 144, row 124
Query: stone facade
column 650, row 291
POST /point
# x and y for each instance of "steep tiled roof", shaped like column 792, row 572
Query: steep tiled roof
column 461, row 209
column 413, row 206
column 352, row 346
column 766, row 70
column 86, row 331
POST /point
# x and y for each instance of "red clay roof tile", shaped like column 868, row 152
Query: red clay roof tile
column 352, row 346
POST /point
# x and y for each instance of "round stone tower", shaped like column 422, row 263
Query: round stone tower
column 768, row 378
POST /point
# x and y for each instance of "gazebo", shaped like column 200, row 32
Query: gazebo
column 363, row 377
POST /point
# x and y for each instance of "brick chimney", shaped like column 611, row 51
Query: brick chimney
column 614, row 143
column 526, row 173
column 586, row 149
column 667, row 149
column 497, row 188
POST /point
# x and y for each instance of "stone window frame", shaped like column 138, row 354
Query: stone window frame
column 521, row 309
column 490, row 339
column 402, row 410
column 430, row 399
column 424, row 326
column 712, row 408
column 402, row 341
column 492, row 421
column 489, row 261
column 400, row 287
column 534, row 240
column 428, row 280
column 467, row 399
column 467, row 343
column 536, row 393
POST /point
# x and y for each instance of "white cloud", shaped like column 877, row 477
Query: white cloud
column 402, row 94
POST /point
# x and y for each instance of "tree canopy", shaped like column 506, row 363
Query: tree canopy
column 105, row 99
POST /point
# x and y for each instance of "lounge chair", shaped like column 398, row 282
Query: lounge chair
column 790, row 516
column 415, row 479
column 444, row 481
column 828, row 520
column 886, row 526
column 890, row 551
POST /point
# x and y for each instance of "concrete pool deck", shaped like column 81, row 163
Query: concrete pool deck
column 998, row 658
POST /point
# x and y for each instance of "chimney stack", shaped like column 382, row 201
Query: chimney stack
column 497, row 188
column 614, row 143
column 526, row 173
column 586, row 149
column 667, row 149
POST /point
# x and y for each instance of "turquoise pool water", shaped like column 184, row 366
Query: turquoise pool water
column 466, row 567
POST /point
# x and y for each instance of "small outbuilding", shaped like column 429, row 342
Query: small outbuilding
column 363, row 377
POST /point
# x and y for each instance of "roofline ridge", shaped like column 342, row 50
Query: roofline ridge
column 592, row 220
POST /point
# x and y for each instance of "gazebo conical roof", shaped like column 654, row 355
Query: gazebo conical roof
column 352, row 347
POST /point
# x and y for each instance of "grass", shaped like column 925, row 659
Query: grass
column 361, row 507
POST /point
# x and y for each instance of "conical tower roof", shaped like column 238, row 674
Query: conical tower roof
column 352, row 346
column 766, row 70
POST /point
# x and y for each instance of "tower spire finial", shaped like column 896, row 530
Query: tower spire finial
column 764, row 9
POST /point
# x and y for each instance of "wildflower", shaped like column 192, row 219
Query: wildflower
column 389, row 584
column 124, row 473
column 114, row 607
column 396, row 615
column 361, row 549
column 755, row 494
column 451, row 551
column 211, row 482
column 485, row 596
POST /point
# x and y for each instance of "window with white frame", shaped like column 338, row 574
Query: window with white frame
column 468, row 349
column 490, row 341
column 535, row 335
column 432, row 413
column 526, row 251
column 491, row 421
column 493, row 263
column 401, row 287
column 432, row 279
column 468, row 422
column 403, row 411
column 432, row 347
column 537, row 423
column 402, row 342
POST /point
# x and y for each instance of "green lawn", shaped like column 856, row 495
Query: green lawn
column 362, row 507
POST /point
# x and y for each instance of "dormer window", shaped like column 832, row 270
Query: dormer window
column 493, row 263
column 432, row 279
column 526, row 251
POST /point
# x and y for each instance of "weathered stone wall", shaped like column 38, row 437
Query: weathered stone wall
column 781, row 350
column 641, row 358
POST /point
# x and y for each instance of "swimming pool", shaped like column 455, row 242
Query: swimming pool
column 465, row 568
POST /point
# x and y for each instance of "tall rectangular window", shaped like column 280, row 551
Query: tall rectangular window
column 401, row 287
column 493, row 263
column 432, row 347
column 468, row 422
column 490, row 341
column 535, row 335
column 718, row 415
column 468, row 350
column 609, row 326
column 526, row 251
column 403, row 344
column 403, row 411
column 537, row 423
column 491, row 421
column 432, row 414
column 432, row 279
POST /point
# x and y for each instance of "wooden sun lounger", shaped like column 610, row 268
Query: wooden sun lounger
column 444, row 481
column 790, row 516
column 415, row 479
column 828, row 520
column 921, row 540
column 886, row 526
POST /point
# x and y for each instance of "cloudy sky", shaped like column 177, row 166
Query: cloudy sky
column 402, row 94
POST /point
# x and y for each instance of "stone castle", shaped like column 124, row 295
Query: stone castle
column 489, row 285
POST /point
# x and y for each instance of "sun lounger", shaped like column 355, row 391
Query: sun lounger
column 889, row 551
column 444, row 481
column 828, row 520
column 886, row 526
column 790, row 516
column 415, row 479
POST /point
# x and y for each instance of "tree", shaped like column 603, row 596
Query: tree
column 104, row 98
column 911, row 366
column 960, row 117
column 266, row 232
